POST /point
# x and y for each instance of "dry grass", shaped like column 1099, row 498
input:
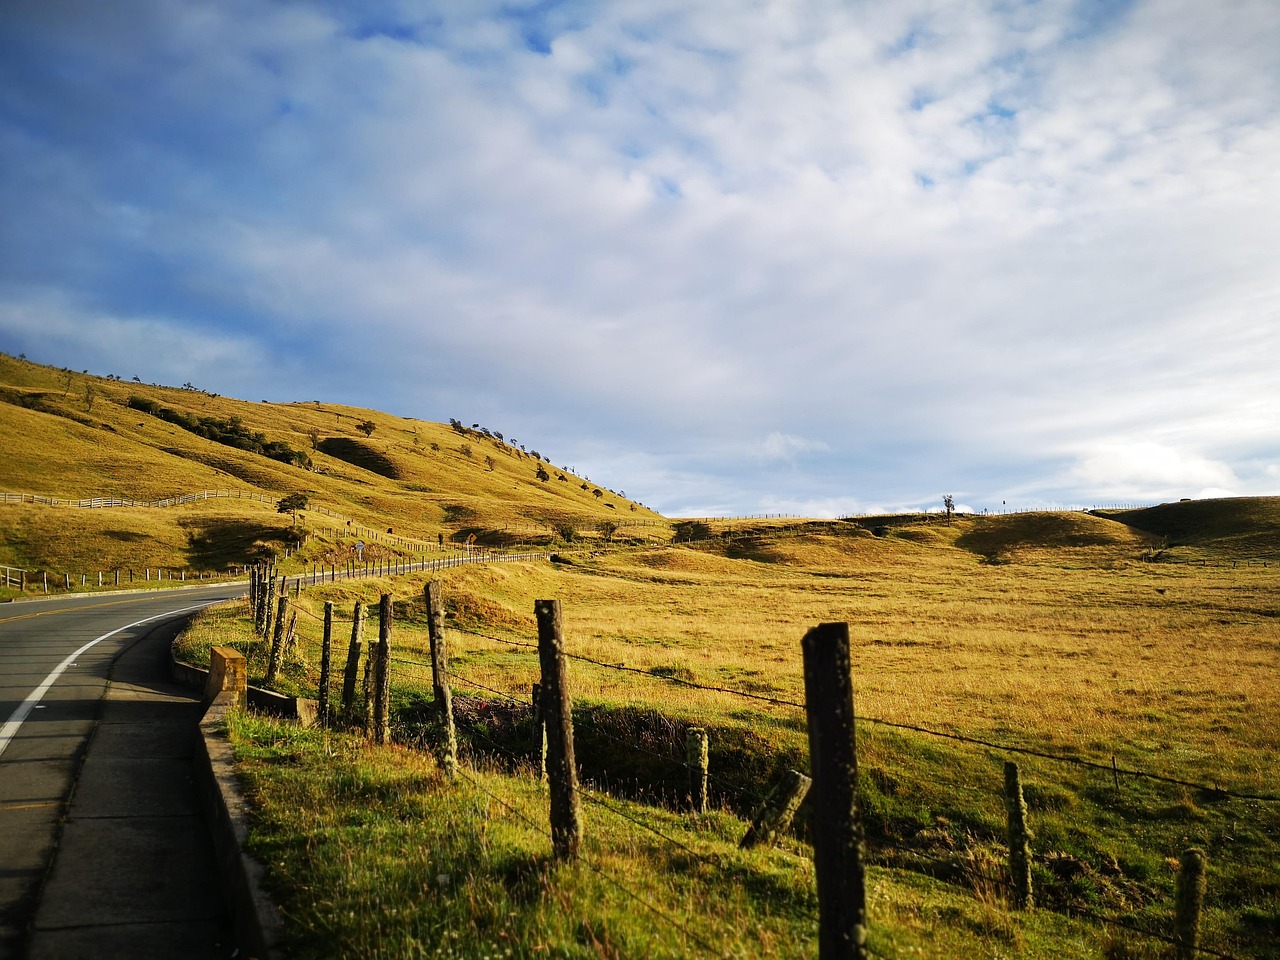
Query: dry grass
column 72, row 436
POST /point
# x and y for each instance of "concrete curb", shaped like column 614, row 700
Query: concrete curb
column 257, row 921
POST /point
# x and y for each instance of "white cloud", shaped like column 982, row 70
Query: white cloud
column 1152, row 470
column 785, row 446
column 972, row 244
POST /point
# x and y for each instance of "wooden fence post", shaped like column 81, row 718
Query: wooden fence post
column 557, row 710
column 777, row 811
column 1019, row 838
column 1190, row 898
column 352, row 673
column 697, row 758
column 277, row 642
column 440, row 679
column 838, row 842
column 326, row 654
column 382, row 675
column 539, row 734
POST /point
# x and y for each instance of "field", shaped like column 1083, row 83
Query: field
column 1042, row 632
column 1126, row 660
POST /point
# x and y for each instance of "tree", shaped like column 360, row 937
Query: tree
column 292, row 504
column 314, row 436
column 949, row 502
column 490, row 463
column 465, row 450
column 366, row 427
column 597, row 493
column 542, row 474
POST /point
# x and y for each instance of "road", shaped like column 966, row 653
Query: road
column 95, row 784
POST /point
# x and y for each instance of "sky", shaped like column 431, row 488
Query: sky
column 803, row 257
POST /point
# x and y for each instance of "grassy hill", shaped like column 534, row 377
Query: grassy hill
column 70, row 435
column 1235, row 528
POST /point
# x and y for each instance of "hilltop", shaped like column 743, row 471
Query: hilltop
column 72, row 435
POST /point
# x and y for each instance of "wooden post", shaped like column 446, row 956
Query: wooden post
column 566, row 815
column 1190, row 898
column 290, row 638
column 277, row 643
column 352, row 673
column 539, row 734
column 440, row 679
column 777, row 811
column 697, row 757
column 1019, row 838
column 366, row 687
column 382, row 675
column 838, row 842
column 326, row 654
column 267, row 604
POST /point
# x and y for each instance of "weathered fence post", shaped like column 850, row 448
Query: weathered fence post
column 539, row 734
column 352, row 672
column 277, row 643
column 838, row 842
column 566, row 815
column 1019, row 838
column 777, row 811
column 1190, row 898
column 326, row 654
column 290, row 637
column 382, row 675
column 448, row 745
column 697, row 758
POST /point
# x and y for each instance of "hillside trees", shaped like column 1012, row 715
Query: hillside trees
column 292, row 504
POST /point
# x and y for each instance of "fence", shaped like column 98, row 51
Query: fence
column 839, row 846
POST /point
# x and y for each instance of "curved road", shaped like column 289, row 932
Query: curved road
column 95, row 747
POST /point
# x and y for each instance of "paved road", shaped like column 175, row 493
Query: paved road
column 102, row 853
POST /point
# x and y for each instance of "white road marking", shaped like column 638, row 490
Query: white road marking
column 15, row 721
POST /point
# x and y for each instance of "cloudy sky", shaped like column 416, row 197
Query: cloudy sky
column 784, row 256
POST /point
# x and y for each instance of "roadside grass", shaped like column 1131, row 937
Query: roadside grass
column 1082, row 652
column 371, row 853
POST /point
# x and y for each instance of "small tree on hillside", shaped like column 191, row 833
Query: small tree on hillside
column 366, row 427
column 292, row 504
column 949, row 502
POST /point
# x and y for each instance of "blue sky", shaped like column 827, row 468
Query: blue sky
column 786, row 256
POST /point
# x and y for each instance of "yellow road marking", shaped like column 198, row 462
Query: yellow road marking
column 4, row 807
column 87, row 606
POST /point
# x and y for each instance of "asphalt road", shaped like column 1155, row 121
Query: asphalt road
column 95, row 785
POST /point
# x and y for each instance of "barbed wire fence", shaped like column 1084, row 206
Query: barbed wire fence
column 526, row 708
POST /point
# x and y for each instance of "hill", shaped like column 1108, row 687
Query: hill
column 71, row 435
column 1234, row 528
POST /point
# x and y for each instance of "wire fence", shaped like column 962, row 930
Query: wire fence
column 965, row 865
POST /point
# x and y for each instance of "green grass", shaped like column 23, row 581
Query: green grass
column 371, row 853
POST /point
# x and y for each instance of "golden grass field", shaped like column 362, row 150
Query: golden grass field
column 1147, row 636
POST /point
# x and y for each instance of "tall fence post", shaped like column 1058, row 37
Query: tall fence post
column 1190, row 898
column 838, row 842
column 277, row 642
column 697, row 757
column 440, row 679
column 352, row 672
column 566, row 814
column 382, row 675
column 1019, row 837
column 326, row 654
column 777, row 811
